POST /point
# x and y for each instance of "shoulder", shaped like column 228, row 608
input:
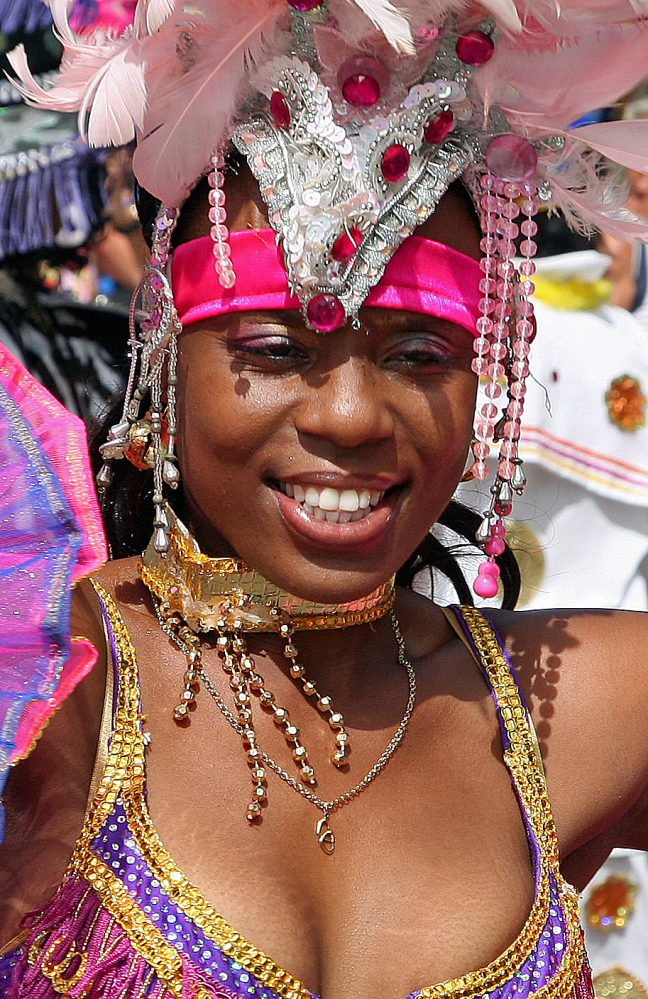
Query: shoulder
column 585, row 675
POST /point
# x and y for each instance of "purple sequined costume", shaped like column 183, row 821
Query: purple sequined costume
column 127, row 924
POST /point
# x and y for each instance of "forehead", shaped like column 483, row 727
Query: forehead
column 454, row 222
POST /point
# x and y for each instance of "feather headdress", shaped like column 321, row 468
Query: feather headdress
column 180, row 75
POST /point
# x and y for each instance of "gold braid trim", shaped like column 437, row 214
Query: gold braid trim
column 525, row 765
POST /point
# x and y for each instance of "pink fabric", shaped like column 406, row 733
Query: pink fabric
column 423, row 276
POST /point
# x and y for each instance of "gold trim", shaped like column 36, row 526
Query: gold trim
column 124, row 778
column 204, row 590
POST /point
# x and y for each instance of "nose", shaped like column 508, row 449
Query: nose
column 348, row 405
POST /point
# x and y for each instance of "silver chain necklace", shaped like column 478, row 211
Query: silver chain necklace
column 325, row 835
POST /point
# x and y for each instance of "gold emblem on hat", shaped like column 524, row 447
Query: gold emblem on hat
column 626, row 403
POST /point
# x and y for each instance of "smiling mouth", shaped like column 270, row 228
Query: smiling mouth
column 336, row 506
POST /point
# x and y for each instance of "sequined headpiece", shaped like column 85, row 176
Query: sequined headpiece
column 355, row 117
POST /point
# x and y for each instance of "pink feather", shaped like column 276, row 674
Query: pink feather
column 624, row 142
column 193, row 97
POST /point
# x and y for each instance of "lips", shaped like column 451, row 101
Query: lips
column 337, row 516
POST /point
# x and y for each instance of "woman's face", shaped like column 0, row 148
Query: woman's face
column 323, row 459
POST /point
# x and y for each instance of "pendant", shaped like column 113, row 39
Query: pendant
column 325, row 836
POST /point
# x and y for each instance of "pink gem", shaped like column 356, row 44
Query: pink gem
column 475, row 48
column 489, row 569
column 511, row 157
column 280, row 110
column 326, row 312
column 395, row 163
column 362, row 81
column 347, row 245
column 439, row 127
column 304, row 5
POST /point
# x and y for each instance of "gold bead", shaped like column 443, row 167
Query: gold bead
column 259, row 773
column 290, row 651
column 336, row 720
column 342, row 755
column 188, row 695
column 253, row 811
column 324, row 703
column 292, row 732
column 300, row 753
column 281, row 715
column 191, row 676
column 296, row 671
column 180, row 712
column 309, row 689
column 267, row 698
column 260, row 792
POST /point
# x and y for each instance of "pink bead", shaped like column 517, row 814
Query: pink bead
column 512, row 191
column 520, row 369
column 529, row 228
column 529, row 206
column 515, row 410
column 227, row 278
column 481, row 344
column 505, row 471
column 508, row 229
column 484, row 325
column 503, row 509
column 511, row 157
column 490, row 569
column 487, row 181
column 496, row 371
column 508, row 449
column 527, row 268
column 488, row 265
column 501, row 331
column 499, row 531
column 528, row 248
column 440, row 127
column 479, row 366
column 506, row 269
column 518, row 390
column 487, row 286
column 482, row 429
column 489, row 410
column 493, row 391
column 521, row 349
column 326, row 312
column 486, row 586
column 395, row 163
column 488, row 244
column 486, row 305
column 527, row 287
column 512, row 429
column 496, row 546
column 280, row 110
column 362, row 81
column 475, row 48
column 347, row 245
column 524, row 328
column 480, row 470
column 304, row 5
column 498, row 351
column 481, row 450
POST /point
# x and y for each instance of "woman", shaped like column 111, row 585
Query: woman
column 318, row 448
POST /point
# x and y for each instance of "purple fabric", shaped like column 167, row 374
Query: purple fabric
column 23, row 16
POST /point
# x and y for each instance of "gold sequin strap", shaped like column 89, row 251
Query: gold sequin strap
column 521, row 751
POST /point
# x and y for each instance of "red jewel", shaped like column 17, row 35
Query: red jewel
column 280, row 110
column 440, row 127
column 305, row 5
column 362, row 80
column 475, row 48
column 395, row 163
column 347, row 245
column 326, row 312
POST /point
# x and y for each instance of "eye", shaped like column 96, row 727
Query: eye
column 273, row 349
column 419, row 352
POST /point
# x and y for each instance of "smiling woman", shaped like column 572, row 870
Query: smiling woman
column 285, row 757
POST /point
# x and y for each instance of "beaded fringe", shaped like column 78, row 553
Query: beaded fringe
column 78, row 949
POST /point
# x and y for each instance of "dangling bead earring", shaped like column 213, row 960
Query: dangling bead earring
column 153, row 355
column 503, row 351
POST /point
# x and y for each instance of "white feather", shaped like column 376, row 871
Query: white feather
column 391, row 21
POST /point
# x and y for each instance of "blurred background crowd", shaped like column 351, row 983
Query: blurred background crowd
column 71, row 255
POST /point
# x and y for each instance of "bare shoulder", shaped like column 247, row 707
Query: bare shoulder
column 585, row 674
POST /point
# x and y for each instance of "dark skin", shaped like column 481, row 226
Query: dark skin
column 431, row 876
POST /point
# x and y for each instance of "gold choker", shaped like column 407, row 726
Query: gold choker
column 207, row 590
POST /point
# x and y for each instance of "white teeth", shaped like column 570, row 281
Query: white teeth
column 329, row 499
column 349, row 501
column 334, row 505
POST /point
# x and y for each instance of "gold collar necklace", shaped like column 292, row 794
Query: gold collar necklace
column 205, row 590
column 194, row 593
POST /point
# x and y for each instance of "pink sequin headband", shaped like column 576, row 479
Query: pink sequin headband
column 423, row 276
